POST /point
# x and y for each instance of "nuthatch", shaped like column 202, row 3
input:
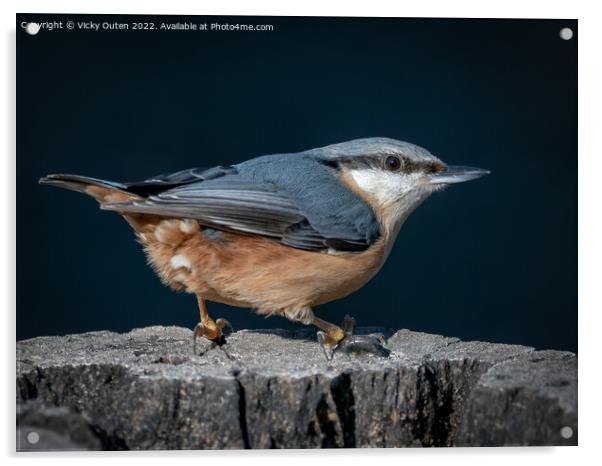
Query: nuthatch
column 281, row 233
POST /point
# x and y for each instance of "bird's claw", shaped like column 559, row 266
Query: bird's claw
column 351, row 344
column 326, row 347
column 348, row 324
column 223, row 323
column 213, row 331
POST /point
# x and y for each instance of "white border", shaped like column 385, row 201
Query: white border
column 436, row 8
column 590, row 208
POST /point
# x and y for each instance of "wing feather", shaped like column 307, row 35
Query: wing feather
column 222, row 198
column 227, row 203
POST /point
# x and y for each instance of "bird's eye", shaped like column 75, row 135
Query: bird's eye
column 392, row 163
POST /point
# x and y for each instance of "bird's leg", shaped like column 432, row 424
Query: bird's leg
column 209, row 328
column 333, row 338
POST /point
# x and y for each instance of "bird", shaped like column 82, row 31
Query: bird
column 280, row 234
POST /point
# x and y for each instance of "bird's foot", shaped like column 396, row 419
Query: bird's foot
column 341, row 340
column 213, row 331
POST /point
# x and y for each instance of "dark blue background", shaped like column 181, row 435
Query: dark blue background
column 494, row 259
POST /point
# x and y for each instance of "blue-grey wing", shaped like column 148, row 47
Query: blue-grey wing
column 247, row 201
column 228, row 203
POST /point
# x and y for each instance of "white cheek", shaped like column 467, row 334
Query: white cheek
column 385, row 187
column 396, row 195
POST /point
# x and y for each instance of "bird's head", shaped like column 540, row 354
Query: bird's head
column 394, row 177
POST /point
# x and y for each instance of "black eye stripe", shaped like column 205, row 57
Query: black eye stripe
column 380, row 162
column 331, row 163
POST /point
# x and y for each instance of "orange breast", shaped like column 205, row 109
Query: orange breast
column 251, row 271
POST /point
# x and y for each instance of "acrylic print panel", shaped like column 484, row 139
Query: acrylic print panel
column 267, row 167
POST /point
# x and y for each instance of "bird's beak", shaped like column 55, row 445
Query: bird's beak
column 456, row 174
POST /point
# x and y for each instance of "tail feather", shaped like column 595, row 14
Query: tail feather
column 101, row 190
